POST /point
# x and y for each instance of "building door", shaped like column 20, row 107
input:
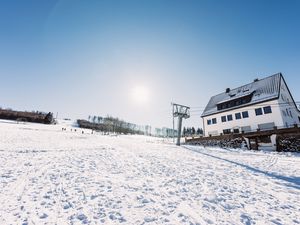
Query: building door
column 253, row 143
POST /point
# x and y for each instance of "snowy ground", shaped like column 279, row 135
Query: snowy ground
column 50, row 176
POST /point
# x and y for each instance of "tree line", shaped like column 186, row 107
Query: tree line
column 34, row 116
column 190, row 131
column 110, row 124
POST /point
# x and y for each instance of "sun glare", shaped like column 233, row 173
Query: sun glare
column 140, row 94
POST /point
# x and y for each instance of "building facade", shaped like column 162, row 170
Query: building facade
column 263, row 104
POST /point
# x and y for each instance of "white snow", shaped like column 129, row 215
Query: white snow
column 50, row 176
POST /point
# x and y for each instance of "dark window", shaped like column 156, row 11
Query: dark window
column 223, row 118
column 214, row 120
column 264, row 139
column 208, row 122
column 229, row 117
column 245, row 114
column 236, row 131
column 238, row 116
column 226, row 131
column 258, row 111
column 267, row 109
column 235, row 102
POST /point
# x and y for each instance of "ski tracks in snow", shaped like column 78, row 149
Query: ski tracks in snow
column 50, row 177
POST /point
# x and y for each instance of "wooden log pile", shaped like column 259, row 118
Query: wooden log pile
column 222, row 143
column 288, row 143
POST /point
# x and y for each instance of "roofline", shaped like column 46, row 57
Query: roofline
column 250, row 83
column 279, row 73
column 243, row 106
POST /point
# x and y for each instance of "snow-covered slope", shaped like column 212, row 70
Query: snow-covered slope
column 50, row 176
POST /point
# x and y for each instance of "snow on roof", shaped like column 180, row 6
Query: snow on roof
column 262, row 90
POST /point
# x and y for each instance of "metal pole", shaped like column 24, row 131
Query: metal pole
column 179, row 130
column 173, row 133
column 181, row 112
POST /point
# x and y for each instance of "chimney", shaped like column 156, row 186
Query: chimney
column 227, row 90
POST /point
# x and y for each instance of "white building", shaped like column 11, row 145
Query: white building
column 262, row 104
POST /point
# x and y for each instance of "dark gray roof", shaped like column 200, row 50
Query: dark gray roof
column 261, row 90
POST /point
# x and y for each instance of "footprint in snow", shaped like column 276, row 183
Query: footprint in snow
column 67, row 205
column 247, row 220
column 82, row 218
column 43, row 216
column 149, row 219
column 145, row 201
column 117, row 216
column 93, row 197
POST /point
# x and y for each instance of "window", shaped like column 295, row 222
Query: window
column 258, row 111
column 223, row 119
column 208, row 122
column 229, row 117
column 226, row 131
column 235, row 102
column 214, row 120
column 245, row 114
column 213, row 133
column 238, row 116
column 246, row 129
column 266, row 126
column 236, row 131
column 267, row 109
column 283, row 112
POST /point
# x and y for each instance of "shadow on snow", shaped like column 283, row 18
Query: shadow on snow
column 292, row 181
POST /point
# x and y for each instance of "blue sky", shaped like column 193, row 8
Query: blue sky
column 81, row 58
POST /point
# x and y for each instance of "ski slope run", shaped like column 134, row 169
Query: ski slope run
column 50, row 176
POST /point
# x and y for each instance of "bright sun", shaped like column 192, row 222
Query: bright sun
column 140, row 94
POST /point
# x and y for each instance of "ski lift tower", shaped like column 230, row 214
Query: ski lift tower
column 180, row 111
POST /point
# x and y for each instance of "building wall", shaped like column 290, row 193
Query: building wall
column 253, row 120
column 289, row 112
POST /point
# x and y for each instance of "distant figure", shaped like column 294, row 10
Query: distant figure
column 71, row 129
column 82, row 132
column 75, row 130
